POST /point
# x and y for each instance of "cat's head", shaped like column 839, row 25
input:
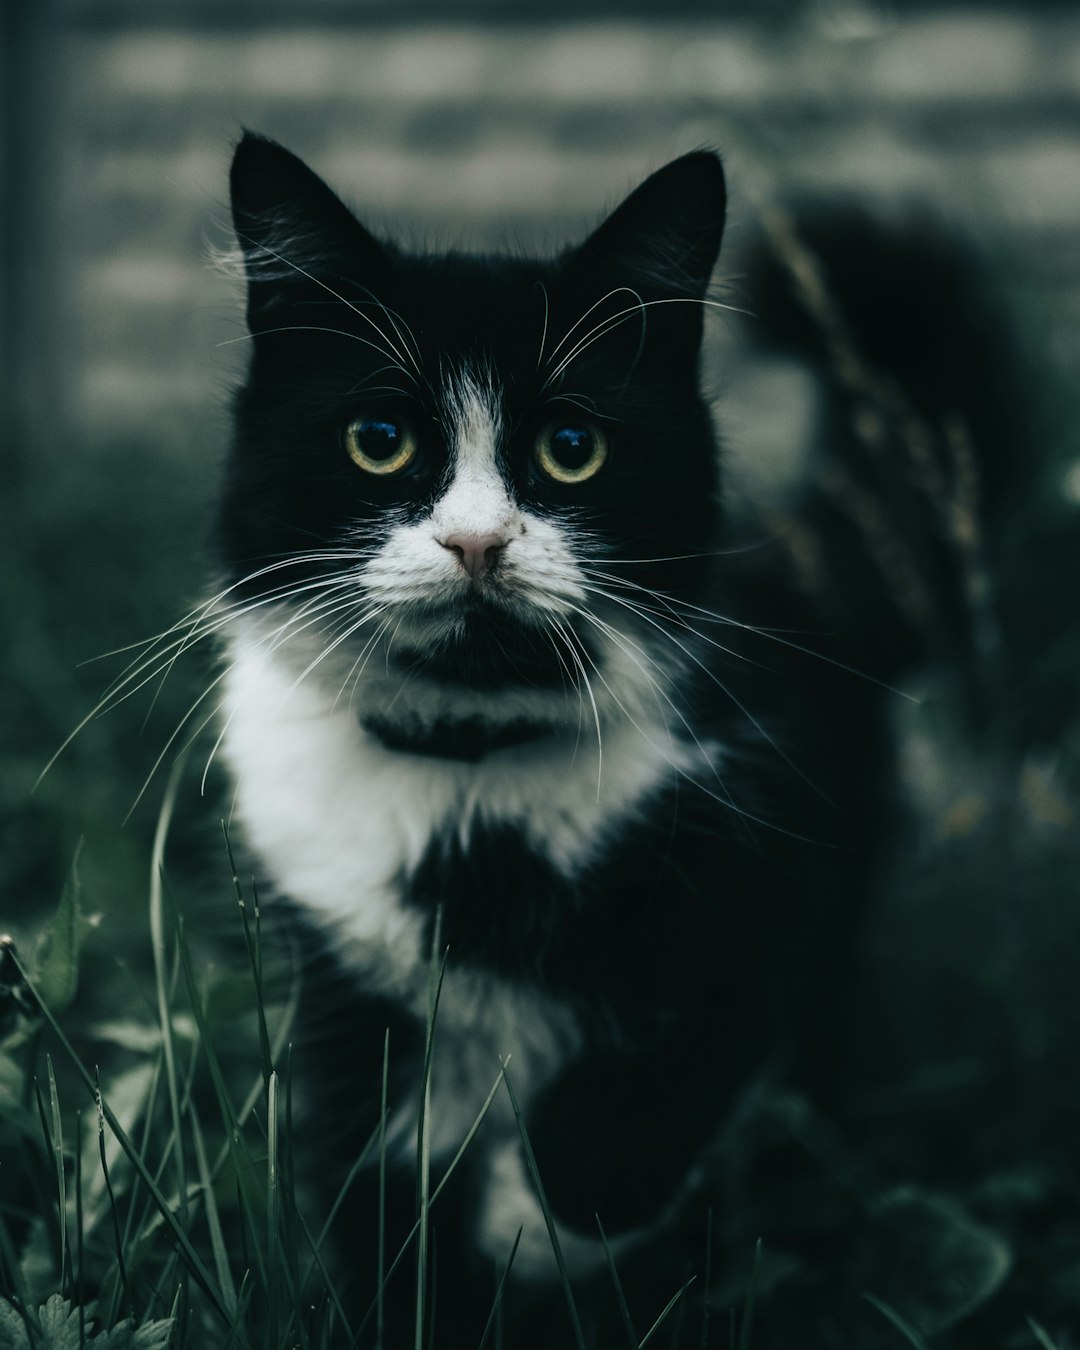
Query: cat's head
column 465, row 482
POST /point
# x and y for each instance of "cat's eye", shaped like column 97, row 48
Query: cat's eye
column 570, row 452
column 381, row 445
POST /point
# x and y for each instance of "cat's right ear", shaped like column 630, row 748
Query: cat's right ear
column 665, row 237
column 298, row 239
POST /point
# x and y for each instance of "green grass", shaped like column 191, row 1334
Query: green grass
column 163, row 1191
column 196, row 1223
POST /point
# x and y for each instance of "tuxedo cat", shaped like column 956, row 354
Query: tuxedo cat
column 499, row 686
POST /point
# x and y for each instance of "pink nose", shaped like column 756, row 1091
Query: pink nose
column 475, row 552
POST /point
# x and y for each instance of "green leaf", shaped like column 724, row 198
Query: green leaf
column 58, row 1328
column 150, row 1336
column 57, row 966
column 59, row 1325
column 12, row 1328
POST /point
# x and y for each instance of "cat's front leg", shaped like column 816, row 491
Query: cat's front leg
column 616, row 1137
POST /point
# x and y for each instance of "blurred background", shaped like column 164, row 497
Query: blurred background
column 485, row 123
column 516, row 124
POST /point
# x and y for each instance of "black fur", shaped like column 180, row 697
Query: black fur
column 290, row 487
column 714, row 929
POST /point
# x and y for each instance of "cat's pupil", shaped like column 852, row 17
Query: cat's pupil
column 378, row 438
column 572, row 446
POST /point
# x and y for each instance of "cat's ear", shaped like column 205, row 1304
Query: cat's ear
column 664, row 238
column 633, row 292
column 299, row 241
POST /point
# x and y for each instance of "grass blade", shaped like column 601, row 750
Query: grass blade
column 61, row 1180
column 1040, row 1335
column 213, row 1218
column 273, row 1203
column 157, row 943
column 534, row 1172
column 481, row 1114
column 339, row 1199
column 243, row 1165
column 403, row 1249
column 497, row 1303
column 423, row 1134
column 905, row 1328
column 706, row 1305
column 49, row 1136
column 112, row 1203
column 57, row 958
column 750, row 1304
column 331, row 1292
column 290, row 1213
column 191, row 1257
column 433, row 1289
column 380, row 1270
column 258, row 1089
column 144, row 1148
column 665, row 1312
column 254, row 952
column 624, row 1310
column 236, row 1335
column 80, row 1282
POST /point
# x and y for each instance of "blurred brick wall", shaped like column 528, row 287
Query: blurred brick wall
column 481, row 131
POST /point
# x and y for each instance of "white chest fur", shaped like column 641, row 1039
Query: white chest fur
column 340, row 821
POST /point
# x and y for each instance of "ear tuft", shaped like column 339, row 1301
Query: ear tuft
column 292, row 229
column 665, row 237
column 267, row 181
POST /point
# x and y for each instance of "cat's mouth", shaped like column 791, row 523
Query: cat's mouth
column 467, row 738
column 482, row 647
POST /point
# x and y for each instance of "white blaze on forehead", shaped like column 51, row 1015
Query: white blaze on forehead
column 474, row 422
column 477, row 502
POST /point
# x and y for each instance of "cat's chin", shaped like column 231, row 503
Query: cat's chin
column 469, row 738
column 482, row 647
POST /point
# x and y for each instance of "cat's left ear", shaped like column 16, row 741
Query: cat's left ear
column 299, row 240
column 665, row 237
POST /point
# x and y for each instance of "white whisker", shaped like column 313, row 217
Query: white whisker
column 598, row 331
column 572, row 647
column 771, row 634
column 618, row 290
column 711, row 674
column 364, row 618
column 623, row 316
column 172, row 738
column 329, row 290
column 726, row 800
column 543, row 331
column 356, row 670
column 312, row 328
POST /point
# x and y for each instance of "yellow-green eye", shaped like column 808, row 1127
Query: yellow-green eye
column 571, row 452
column 382, row 445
